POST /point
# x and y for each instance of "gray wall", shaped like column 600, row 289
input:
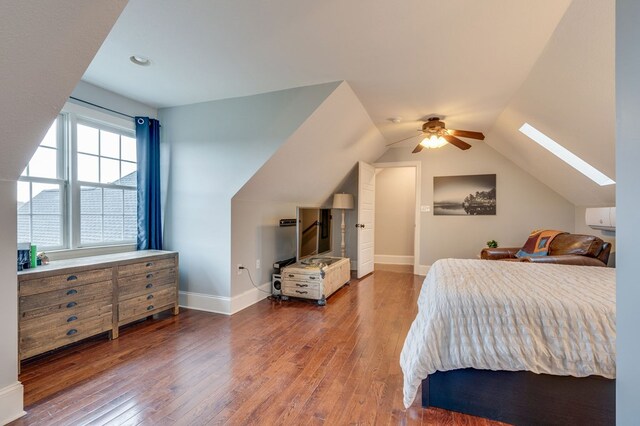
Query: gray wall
column 628, row 205
column 8, row 286
column 395, row 211
column 524, row 203
column 305, row 171
column 215, row 148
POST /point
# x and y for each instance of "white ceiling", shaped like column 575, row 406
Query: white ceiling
column 463, row 59
column 487, row 66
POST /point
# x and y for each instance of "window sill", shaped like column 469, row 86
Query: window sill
column 89, row 251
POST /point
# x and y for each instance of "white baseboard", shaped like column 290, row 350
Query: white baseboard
column 11, row 403
column 205, row 302
column 421, row 269
column 391, row 259
column 250, row 297
column 223, row 304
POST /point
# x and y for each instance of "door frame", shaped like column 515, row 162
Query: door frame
column 417, row 269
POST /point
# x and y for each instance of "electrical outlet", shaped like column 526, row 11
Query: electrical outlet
column 257, row 263
column 240, row 268
column 425, row 209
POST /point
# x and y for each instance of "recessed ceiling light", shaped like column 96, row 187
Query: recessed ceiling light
column 140, row 60
column 565, row 155
column 395, row 120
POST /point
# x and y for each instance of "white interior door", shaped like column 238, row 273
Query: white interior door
column 366, row 217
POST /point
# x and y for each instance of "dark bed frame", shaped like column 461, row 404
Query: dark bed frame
column 522, row 397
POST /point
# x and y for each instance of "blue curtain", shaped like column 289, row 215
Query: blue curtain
column 149, row 220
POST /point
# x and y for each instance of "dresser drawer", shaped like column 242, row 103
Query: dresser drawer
column 146, row 266
column 65, row 296
column 301, row 289
column 145, row 288
column 144, row 283
column 45, row 339
column 66, row 317
column 68, row 306
column 58, row 282
column 138, row 305
column 296, row 276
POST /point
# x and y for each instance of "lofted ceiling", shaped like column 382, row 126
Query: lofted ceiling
column 488, row 66
column 570, row 96
column 463, row 59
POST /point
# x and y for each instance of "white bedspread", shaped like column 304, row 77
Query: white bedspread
column 490, row 315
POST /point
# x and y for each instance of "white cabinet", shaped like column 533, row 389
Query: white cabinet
column 316, row 278
column 601, row 218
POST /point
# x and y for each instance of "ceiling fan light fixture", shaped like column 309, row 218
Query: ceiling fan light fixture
column 433, row 141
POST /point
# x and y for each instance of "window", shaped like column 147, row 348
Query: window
column 565, row 155
column 106, row 165
column 41, row 197
column 79, row 189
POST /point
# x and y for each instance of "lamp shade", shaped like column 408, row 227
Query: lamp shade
column 343, row 201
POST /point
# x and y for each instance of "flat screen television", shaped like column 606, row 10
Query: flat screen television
column 313, row 230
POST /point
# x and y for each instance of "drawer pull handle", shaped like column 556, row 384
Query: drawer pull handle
column 291, row 275
column 301, row 292
column 71, row 304
column 149, row 264
column 72, row 332
column 150, row 307
column 313, row 278
column 72, row 278
column 72, row 291
column 149, row 275
column 148, row 285
column 72, row 318
column 149, row 297
column 302, row 285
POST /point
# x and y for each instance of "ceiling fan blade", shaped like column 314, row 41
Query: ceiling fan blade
column 417, row 149
column 402, row 140
column 467, row 134
column 456, row 142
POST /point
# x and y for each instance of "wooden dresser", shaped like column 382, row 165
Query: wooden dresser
column 315, row 278
column 69, row 300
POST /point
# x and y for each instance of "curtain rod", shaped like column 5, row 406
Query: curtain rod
column 101, row 107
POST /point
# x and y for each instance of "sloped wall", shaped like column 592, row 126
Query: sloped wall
column 305, row 171
column 36, row 79
column 215, row 147
column 570, row 96
column 523, row 203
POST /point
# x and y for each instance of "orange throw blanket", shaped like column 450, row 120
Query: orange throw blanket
column 538, row 243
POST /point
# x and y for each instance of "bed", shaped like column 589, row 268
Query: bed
column 515, row 342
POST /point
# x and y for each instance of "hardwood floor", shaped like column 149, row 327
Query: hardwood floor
column 289, row 363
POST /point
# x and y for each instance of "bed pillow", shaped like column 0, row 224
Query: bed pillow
column 538, row 243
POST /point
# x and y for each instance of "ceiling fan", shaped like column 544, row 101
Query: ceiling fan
column 437, row 135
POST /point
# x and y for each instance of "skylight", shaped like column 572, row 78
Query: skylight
column 565, row 155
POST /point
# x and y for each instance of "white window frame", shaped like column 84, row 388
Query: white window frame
column 62, row 180
column 69, row 117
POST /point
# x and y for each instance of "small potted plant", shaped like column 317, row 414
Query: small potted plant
column 492, row 244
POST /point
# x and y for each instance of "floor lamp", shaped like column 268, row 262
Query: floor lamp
column 342, row 202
